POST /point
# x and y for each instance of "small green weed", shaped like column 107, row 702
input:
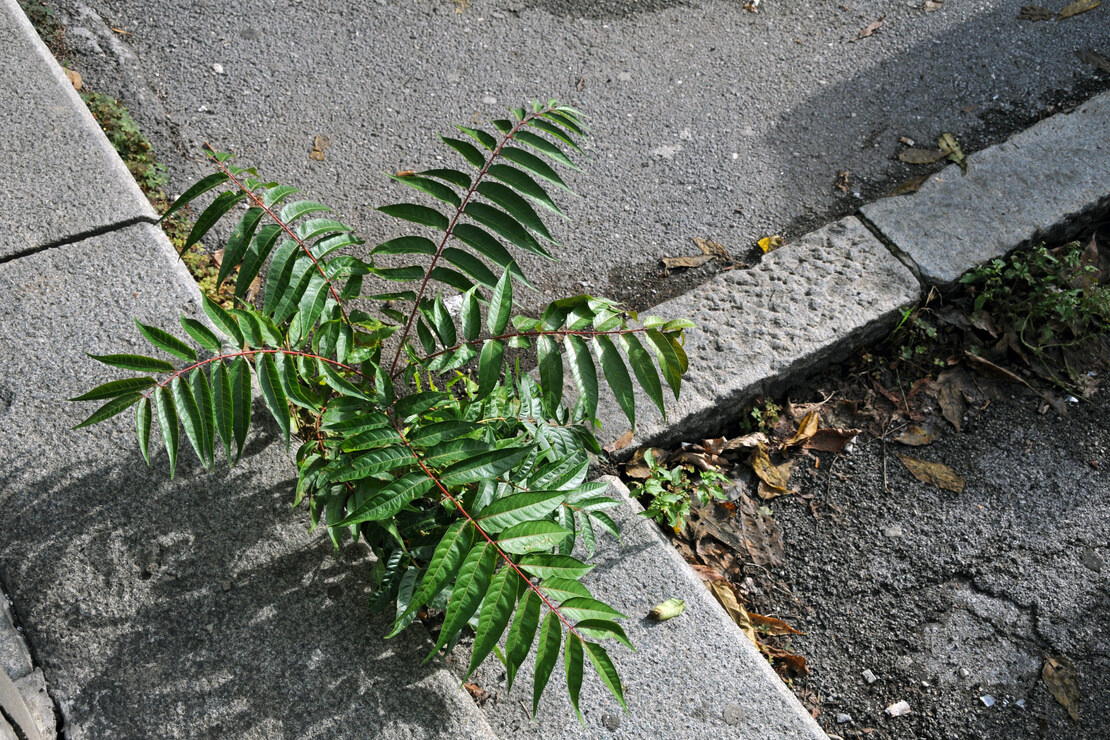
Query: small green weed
column 671, row 491
column 1047, row 298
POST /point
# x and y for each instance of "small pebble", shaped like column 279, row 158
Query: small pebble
column 733, row 714
column 226, row 585
column 898, row 709
column 965, row 673
column 843, row 719
column 218, row 68
column 611, row 722
column 869, row 677
column 987, row 699
column 489, row 100
column 894, row 530
column 1020, row 703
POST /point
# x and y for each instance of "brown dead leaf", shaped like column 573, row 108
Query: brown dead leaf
column 953, row 389
column 1093, row 58
column 747, row 442
column 619, row 443
column 405, row 173
column 786, row 661
column 767, row 492
column 120, row 31
column 831, row 440
column 843, row 181
column 319, row 144
column 806, row 429
column 1035, row 13
column 477, row 693
column 937, row 474
column 771, row 626
column 762, row 535
column 74, row 78
column 1079, row 6
column 725, row 594
column 712, row 248
column 1059, row 676
column 991, row 370
column 718, row 556
column 909, row 186
column 698, row 260
column 700, row 460
column 917, row 435
column 766, row 471
column 870, row 28
column 916, row 155
column 982, row 320
column 706, row 573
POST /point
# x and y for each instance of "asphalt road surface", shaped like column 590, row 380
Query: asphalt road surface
column 708, row 120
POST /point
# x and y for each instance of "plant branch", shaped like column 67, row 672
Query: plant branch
column 538, row 333
column 251, row 353
column 451, row 230
column 285, row 227
column 458, row 505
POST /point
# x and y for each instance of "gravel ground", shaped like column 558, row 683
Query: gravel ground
column 946, row 597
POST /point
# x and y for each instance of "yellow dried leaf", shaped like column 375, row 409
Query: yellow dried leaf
column 693, row 261
column 1079, row 6
column 770, row 243
column 75, row 79
column 724, row 594
column 748, row 441
column 712, row 248
column 951, row 147
column 937, row 474
column 767, row 472
column 669, row 609
column 1059, row 676
column 319, row 144
column 766, row 492
column 916, row 436
column 771, row 626
column 806, row 429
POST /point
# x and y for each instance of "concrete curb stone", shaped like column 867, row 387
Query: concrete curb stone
column 16, row 662
column 64, row 177
column 805, row 304
column 1024, row 190
column 695, row 676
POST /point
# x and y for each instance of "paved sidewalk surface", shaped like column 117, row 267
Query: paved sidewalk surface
column 202, row 606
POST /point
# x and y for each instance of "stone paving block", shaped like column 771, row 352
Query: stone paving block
column 695, row 676
column 33, row 689
column 15, row 658
column 759, row 330
column 194, row 607
column 61, row 176
column 1028, row 189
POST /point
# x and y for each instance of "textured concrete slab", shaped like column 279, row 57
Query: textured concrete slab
column 197, row 607
column 1028, row 189
column 761, row 329
column 695, row 676
column 61, row 177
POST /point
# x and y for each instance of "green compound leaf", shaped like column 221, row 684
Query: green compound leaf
column 489, row 367
column 584, row 373
column 272, row 392
column 483, row 466
column 605, row 668
column 599, row 629
column 240, row 377
column 167, row 424
column 531, row 536
column 222, row 320
column 586, row 608
column 572, row 661
column 470, row 586
column 223, row 406
column 166, row 342
column 547, row 566
column 521, row 634
column 202, row 392
column 500, row 306
column 190, row 416
column 138, row 363
column 143, row 418
column 547, row 653
column 561, row 589
column 201, row 334
column 422, row 215
column 208, row 183
column 519, row 507
column 443, row 566
column 612, row 364
column 115, row 388
column 116, row 406
column 644, row 369
column 497, row 609
column 390, row 499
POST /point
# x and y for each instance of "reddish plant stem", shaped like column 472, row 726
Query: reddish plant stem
column 251, row 353
column 285, row 227
column 432, row 476
column 451, row 229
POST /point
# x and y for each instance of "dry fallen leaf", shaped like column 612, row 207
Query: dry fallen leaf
column 477, row 693
column 870, row 28
column 619, row 443
column 766, row 470
column 748, row 441
column 806, row 429
column 1093, row 58
column 75, row 79
column 1079, row 6
column 762, row 536
column 771, row 626
column 723, row 591
column 937, row 474
column 712, row 248
column 319, row 144
column 916, row 435
column 698, row 260
column 770, row 243
column 1059, row 676
column 767, row 492
column 1035, row 13
column 921, row 156
column 785, row 659
column 951, row 147
column 843, row 181
column 909, row 186
column 669, row 609
column 831, row 440
column 637, row 467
